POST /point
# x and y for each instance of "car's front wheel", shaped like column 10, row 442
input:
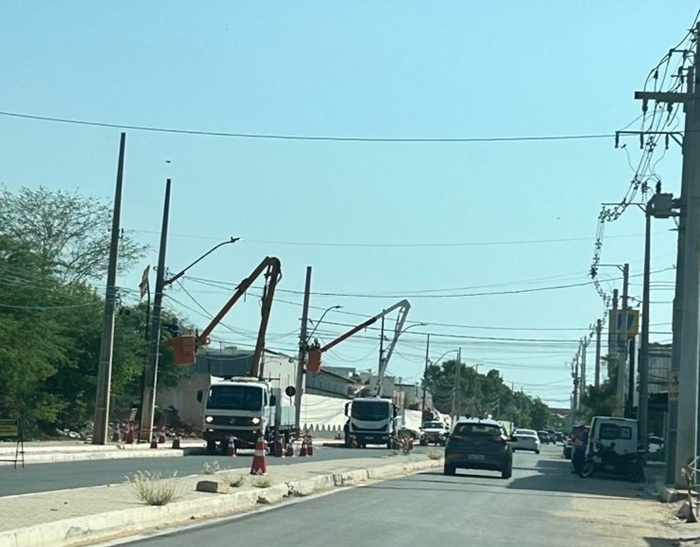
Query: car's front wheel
column 507, row 473
column 450, row 470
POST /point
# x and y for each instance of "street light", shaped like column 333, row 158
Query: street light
column 303, row 352
column 425, row 370
column 336, row 307
column 150, row 374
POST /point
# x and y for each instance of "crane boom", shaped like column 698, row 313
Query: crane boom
column 314, row 355
column 398, row 327
column 271, row 268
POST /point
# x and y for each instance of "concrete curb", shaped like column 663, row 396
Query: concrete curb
column 102, row 527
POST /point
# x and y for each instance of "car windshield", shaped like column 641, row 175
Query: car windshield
column 369, row 410
column 224, row 397
column 474, row 430
column 526, row 432
column 433, row 425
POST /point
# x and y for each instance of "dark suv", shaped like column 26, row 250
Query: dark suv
column 479, row 444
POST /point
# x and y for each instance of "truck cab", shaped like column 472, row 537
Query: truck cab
column 235, row 409
column 371, row 420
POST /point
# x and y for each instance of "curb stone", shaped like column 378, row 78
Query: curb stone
column 89, row 529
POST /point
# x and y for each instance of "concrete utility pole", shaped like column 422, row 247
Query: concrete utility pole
column 104, row 373
column 622, row 344
column 303, row 351
column 643, row 408
column 686, row 317
column 584, row 350
column 456, row 397
column 425, row 370
column 612, row 326
column 575, row 377
column 598, row 331
column 149, row 398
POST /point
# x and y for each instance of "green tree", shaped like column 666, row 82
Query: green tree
column 71, row 233
column 601, row 400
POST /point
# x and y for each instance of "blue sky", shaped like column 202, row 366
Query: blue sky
column 450, row 215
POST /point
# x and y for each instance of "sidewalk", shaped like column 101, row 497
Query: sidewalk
column 69, row 451
column 77, row 517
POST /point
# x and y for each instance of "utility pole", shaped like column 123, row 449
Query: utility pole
column 425, row 370
column 380, row 378
column 456, row 395
column 104, row 373
column 622, row 344
column 575, row 377
column 584, row 350
column 149, row 396
column 686, row 320
column 303, row 350
column 643, row 405
column 612, row 326
column 598, row 331
column 631, row 380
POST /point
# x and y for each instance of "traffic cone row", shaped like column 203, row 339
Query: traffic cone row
column 161, row 436
column 259, row 465
column 176, row 441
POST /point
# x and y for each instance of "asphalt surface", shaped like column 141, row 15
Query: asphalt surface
column 430, row 509
column 59, row 476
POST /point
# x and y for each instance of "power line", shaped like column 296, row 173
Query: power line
column 275, row 136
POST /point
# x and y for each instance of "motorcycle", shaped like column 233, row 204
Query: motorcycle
column 604, row 459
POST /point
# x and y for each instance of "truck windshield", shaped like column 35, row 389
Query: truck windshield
column 235, row 398
column 370, row 410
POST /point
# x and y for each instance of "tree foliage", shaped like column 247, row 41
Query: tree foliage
column 70, row 233
column 480, row 395
column 51, row 317
column 601, row 400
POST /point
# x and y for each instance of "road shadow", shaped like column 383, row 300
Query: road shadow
column 660, row 542
column 556, row 476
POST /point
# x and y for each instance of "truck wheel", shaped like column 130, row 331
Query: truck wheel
column 390, row 444
column 211, row 447
column 450, row 470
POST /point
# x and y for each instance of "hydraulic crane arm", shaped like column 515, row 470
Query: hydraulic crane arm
column 384, row 359
column 315, row 351
column 271, row 268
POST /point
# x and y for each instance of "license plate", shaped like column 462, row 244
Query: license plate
column 475, row 457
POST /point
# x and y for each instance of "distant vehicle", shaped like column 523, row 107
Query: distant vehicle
column 527, row 439
column 479, row 444
column 544, row 436
column 654, row 444
column 435, row 432
column 614, row 449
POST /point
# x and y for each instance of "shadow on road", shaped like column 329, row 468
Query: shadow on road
column 660, row 542
column 556, row 476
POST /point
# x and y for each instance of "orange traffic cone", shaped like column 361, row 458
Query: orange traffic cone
column 310, row 446
column 304, row 450
column 231, row 450
column 259, row 465
column 129, row 439
column 176, row 441
column 161, row 436
column 290, row 449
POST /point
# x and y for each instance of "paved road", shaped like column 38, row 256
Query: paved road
column 59, row 476
column 538, row 507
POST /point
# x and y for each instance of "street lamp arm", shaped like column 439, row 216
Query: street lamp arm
column 181, row 273
column 336, row 307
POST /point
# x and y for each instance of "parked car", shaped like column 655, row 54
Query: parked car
column 526, row 439
column 479, row 444
column 544, row 436
column 435, row 432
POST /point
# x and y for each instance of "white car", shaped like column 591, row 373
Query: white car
column 527, row 439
